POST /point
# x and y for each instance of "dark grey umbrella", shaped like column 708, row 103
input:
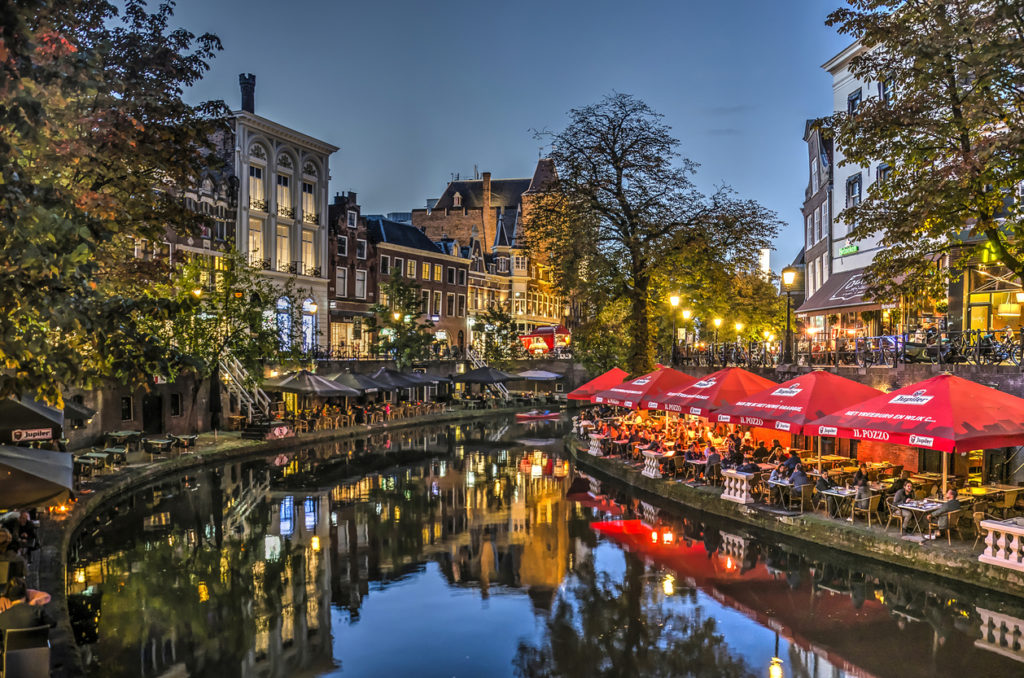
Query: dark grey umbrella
column 393, row 379
column 484, row 375
column 360, row 382
column 31, row 477
column 306, row 383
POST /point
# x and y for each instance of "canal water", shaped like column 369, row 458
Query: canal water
column 473, row 550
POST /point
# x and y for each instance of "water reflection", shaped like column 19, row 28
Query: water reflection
column 458, row 551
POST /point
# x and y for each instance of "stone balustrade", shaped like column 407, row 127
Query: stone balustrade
column 595, row 445
column 1004, row 543
column 652, row 464
column 739, row 487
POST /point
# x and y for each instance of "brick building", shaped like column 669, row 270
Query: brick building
column 353, row 278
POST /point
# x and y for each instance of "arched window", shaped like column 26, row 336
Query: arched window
column 284, row 322
column 308, row 325
column 457, row 199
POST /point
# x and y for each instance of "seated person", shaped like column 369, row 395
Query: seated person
column 938, row 519
column 902, row 496
column 863, row 498
column 824, row 484
column 8, row 554
column 799, row 478
column 23, row 531
column 748, row 467
column 780, row 474
column 775, row 453
column 16, row 613
column 760, row 452
column 861, row 474
column 714, row 459
column 792, row 461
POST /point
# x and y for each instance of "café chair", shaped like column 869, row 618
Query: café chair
column 977, row 516
column 1005, row 502
column 894, row 513
column 27, row 653
column 872, row 508
column 953, row 523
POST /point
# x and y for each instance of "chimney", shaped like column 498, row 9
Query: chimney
column 247, row 81
column 490, row 223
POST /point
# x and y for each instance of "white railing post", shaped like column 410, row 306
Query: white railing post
column 1004, row 543
column 738, row 486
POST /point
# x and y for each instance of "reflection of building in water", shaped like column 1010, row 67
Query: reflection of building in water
column 212, row 572
column 1002, row 634
column 486, row 523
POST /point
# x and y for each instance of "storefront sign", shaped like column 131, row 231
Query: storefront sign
column 868, row 434
column 847, row 250
column 752, row 421
column 724, row 418
column 22, row 434
column 922, row 441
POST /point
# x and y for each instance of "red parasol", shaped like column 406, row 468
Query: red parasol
column 944, row 413
column 716, row 390
column 612, row 377
column 635, row 393
column 789, row 406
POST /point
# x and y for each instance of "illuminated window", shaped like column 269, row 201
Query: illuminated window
column 308, row 201
column 438, row 272
column 255, row 241
column 410, row 269
column 287, row 513
column 308, row 252
column 284, row 194
column 283, row 249
column 425, row 272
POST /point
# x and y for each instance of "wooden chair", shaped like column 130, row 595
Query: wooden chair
column 952, row 523
column 27, row 653
column 896, row 471
column 1006, row 502
column 894, row 513
column 802, row 497
column 976, row 517
column 872, row 508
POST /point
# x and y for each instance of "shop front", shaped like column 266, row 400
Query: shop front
column 992, row 298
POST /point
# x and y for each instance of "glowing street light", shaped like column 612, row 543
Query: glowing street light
column 788, row 278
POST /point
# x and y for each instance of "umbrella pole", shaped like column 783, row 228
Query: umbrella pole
column 945, row 472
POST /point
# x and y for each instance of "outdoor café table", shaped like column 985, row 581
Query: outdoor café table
column 620, row 446
column 101, row 458
column 185, row 442
column 919, row 509
column 844, row 500
column 119, row 438
column 236, row 422
column 696, row 467
column 84, row 467
column 117, row 454
column 159, row 444
column 783, row 487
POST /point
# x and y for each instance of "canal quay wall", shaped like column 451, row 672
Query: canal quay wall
column 958, row 563
column 66, row 659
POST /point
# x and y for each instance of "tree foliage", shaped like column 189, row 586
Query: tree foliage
column 499, row 336
column 92, row 132
column 624, row 207
column 952, row 132
column 396, row 322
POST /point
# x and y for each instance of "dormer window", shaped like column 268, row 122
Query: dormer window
column 457, row 199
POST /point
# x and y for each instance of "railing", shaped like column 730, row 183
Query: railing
column 242, row 387
column 310, row 218
column 975, row 347
column 478, row 362
column 726, row 354
column 738, row 486
column 288, row 212
column 1004, row 543
column 257, row 204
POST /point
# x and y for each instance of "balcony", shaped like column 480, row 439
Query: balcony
column 287, row 212
column 260, row 263
column 311, row 218
column 256, row 204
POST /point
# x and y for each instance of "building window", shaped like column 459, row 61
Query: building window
column 127, row 411
column 819, row 273
column 449, row 308
column 817, row 224
column 425, row 302
column 284, row 195
column 175, row 404
column 255, row 242
column 853, row 190
column 308, row 252
column 462, row 305
column 810, row 230
column 360, row 248
column 853, row 102
column 308, row 202
column 309, row 325
column 451, row 275
column 342, row 245
column 814, row 176
column 385, row 265
column 399, row 267
column 257, row 189
column 882, row 173
column 885, row 91
column 520, row 263
column 437, row 272
column 502, row 265
column 457, row 199
column 425, row 271
column 284, row 323
column 360, row 284
column 284, row 248
column 353, row 220
column 341, row 282
column 437, row 302
column 462, row 277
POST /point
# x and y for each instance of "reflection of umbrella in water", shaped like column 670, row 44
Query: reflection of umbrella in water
column 536, row 442
column 31, row 477
column 305, row 382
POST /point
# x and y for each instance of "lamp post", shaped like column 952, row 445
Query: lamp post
column 717, row 322
column 788, row 278
column 673, row 301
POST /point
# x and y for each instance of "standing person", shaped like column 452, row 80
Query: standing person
column 861, row 474
column 775, row 453
column 9, row 555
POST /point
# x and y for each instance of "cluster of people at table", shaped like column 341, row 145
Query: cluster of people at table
column 20, row 607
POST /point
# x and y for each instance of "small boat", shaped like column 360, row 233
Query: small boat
column 537, row 415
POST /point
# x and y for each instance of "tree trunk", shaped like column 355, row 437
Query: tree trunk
column 641, row 357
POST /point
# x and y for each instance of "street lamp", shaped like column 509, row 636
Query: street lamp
column 674, row 303
column 717, row 323
column 788, row 278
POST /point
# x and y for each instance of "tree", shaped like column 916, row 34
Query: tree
column 949, row 125
column 395, row 322
column 623, row 206
column 499, row 336
column 92, row 133
column 228, row 308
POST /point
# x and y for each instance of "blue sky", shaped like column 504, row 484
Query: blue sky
column 415, row 91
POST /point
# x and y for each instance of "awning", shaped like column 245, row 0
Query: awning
column 842, row 292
